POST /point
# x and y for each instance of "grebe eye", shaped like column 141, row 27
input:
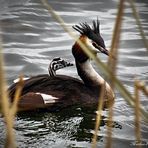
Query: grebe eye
column 94, row 44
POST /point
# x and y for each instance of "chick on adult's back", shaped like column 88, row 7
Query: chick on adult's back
column 61, row 91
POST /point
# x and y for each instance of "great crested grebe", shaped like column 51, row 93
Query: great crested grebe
column 55, row 92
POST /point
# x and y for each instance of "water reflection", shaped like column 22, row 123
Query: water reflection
column 70, row 125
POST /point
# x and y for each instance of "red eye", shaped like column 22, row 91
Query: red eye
column 94, row 44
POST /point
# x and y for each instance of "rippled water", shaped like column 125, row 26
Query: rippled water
column 31, row 38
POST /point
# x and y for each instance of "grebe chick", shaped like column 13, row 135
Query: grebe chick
column 61, row 91
column 56, row 64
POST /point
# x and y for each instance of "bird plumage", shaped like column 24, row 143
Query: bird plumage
column 61, row 91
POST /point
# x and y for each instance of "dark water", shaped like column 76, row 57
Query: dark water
column 31, row 38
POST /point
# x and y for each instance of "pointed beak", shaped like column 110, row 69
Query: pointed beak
column 100, row 49
column 103, row 50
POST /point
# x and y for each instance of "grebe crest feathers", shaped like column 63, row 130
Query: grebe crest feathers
column 90, row 36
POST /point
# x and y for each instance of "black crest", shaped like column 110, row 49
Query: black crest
column 85, row 29
column 92, row 32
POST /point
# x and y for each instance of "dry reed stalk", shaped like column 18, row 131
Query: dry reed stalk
column 19, row 87
column 8, row 110
column 10, row 140
column 112, row 62
column 13, row 109
column 137, row 115
column 124, row 92
column 137, row 18
column 138, row 86
column 98, row 116
column 141, row 86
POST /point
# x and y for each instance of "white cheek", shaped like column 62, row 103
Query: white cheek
column 90, row 46
column 48, row 98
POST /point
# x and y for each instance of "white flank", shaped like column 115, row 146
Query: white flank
column 47, row 98
column 17, row 80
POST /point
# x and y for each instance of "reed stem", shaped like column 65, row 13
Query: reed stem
column 19, row 87
column 137, row 18
column 137, row 116
column 112, row 62
column 10, row 138
column 98, row 116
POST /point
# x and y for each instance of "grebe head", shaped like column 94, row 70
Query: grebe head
column 91, row 37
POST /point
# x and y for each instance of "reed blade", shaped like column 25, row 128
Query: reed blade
column 112, row 63
column 137, row 18
column 5, row 105
column 98, row 116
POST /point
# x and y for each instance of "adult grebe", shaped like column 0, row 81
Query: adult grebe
column 60, row 91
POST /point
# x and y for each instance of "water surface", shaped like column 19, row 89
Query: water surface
column 32, row 38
